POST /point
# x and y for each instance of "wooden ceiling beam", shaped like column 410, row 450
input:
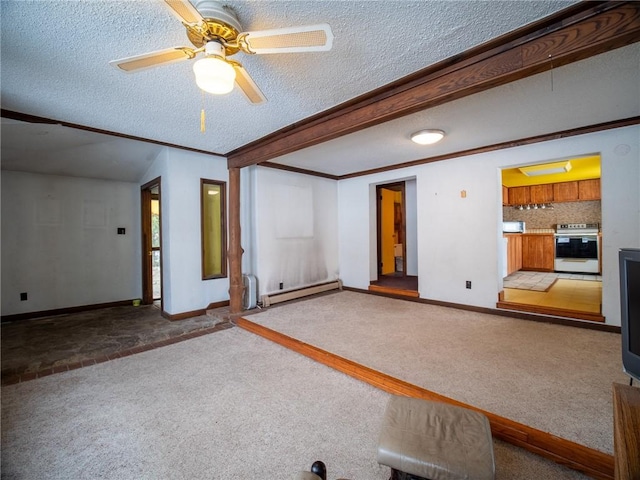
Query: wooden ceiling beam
column 574, row 34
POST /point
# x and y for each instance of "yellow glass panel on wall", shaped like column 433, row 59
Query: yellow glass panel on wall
column 214, row 237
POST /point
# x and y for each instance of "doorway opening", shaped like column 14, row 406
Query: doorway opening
column 151, row 243
column 391, row 212
column 548, row 208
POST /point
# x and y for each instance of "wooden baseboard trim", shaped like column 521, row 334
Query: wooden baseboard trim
column 194, row 313
column 215, row 305
column 592, row 462
column 184, row 315
column 64, row 311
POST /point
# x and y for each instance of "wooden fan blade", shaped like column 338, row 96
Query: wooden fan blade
column 185, row 12
column 307, row 38
column 247, row 85
column 153, row 59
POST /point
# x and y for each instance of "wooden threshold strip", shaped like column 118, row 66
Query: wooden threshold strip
column 592, row 462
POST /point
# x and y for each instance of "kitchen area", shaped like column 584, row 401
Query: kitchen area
column 551, row 245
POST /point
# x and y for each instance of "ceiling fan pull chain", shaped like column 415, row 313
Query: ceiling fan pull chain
column 202, row 114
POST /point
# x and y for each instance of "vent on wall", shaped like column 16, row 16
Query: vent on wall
column 270, row 299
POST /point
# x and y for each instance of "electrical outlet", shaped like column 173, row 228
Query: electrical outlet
column 23, row 296
column 469, row 284
column 281, row 285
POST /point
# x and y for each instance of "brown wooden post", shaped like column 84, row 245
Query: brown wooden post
column 236, row 287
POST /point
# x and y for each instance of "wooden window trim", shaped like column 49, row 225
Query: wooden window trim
column 223, row 227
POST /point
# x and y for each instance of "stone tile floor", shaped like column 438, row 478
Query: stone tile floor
column 43, row 346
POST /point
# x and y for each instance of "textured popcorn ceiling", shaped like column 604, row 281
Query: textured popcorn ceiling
column 55, row 58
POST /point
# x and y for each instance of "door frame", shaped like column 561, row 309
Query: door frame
column 146, row 196
column 398, row 187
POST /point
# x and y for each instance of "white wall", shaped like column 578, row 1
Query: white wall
column 295, row 239
column 60, row 243
column 459, row 238
column 180, row 172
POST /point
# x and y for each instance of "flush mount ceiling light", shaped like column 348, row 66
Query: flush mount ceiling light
column 546, row 169
column 427, row 137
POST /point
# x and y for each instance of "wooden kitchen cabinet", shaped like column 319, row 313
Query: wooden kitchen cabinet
column 514, row 252
column 552, row 193
column 519, row 196
column 589, row 189
column 565, row 192
column 538, row 252
column 541, row 193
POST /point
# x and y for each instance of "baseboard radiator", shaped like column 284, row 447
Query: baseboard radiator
column 272, row 298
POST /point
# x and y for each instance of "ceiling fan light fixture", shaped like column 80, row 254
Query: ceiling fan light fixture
column 214, row 75
column 427, row 137
column 213, row 28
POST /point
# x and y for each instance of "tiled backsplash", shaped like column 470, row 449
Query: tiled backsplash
column 569, row 212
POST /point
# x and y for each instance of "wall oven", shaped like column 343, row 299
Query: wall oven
column 577, row 248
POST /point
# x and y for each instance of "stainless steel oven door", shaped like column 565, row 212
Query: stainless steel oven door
column 577, row 253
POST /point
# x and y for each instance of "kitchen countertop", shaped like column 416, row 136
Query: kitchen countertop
column 533, row 231
column 545, row 231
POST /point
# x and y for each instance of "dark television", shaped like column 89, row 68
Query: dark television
column 630, row 309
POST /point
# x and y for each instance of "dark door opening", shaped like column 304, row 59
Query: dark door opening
column 391, row 239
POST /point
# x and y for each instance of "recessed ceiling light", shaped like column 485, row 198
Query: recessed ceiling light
column 427, row 137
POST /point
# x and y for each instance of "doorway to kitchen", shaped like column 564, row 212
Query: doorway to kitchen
column 151, row 243
column 393, row 272
column 552, row 242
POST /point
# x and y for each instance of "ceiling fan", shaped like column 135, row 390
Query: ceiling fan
column 214, row 29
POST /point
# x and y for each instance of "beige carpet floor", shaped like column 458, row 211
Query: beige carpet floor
column 225, row 406
column 554, row 378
